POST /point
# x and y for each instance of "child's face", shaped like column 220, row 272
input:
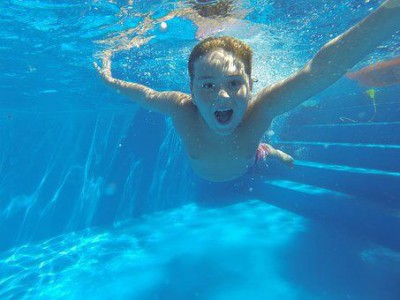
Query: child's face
column 221, row 90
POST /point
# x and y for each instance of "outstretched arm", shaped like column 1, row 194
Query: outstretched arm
column 330, row 63
column 168, row 103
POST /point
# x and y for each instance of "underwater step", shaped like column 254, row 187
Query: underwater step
column 381, row 112
column 375, row 186
column 369, row 156
column 369, row 133
column 333, row 208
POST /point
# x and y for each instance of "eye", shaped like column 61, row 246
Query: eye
column 235, row 84
column 208, row 86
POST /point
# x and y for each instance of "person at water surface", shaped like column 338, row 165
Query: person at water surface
column 221, row 123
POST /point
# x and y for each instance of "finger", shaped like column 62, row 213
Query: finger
column 96, row 66
column 106, row 57
column 106, row 62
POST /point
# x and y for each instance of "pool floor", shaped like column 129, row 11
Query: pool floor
column 249, row 250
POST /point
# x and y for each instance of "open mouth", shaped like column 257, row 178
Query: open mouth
column 223, row 116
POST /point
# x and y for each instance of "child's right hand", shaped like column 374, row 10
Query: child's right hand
column 105, row 70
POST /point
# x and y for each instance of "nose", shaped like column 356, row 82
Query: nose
column 223, row 94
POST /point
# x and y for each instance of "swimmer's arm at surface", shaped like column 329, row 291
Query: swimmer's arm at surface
column 331, row 62
column 167, row 103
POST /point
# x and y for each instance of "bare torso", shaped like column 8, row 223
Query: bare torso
column 212, row 156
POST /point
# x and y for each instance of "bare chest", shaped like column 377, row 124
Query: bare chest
column 217, row 158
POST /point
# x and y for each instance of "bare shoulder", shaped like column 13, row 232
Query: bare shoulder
column 183, row 99
column 169, row 103
column 275, row 100
column 261, row 104
column 180, row 100
column 181, row 103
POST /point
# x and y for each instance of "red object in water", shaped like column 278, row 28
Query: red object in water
column 378, row 75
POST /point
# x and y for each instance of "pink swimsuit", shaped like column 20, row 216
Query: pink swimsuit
column 262, row 153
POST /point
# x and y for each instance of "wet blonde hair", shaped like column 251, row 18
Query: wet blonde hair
column 213, row 9
column 238, row 49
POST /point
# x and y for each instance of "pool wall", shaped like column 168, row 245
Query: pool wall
column 65, row 171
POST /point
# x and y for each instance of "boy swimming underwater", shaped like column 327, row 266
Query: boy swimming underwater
column 220, row 123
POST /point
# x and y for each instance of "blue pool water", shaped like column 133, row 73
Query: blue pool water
column 97, row 200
